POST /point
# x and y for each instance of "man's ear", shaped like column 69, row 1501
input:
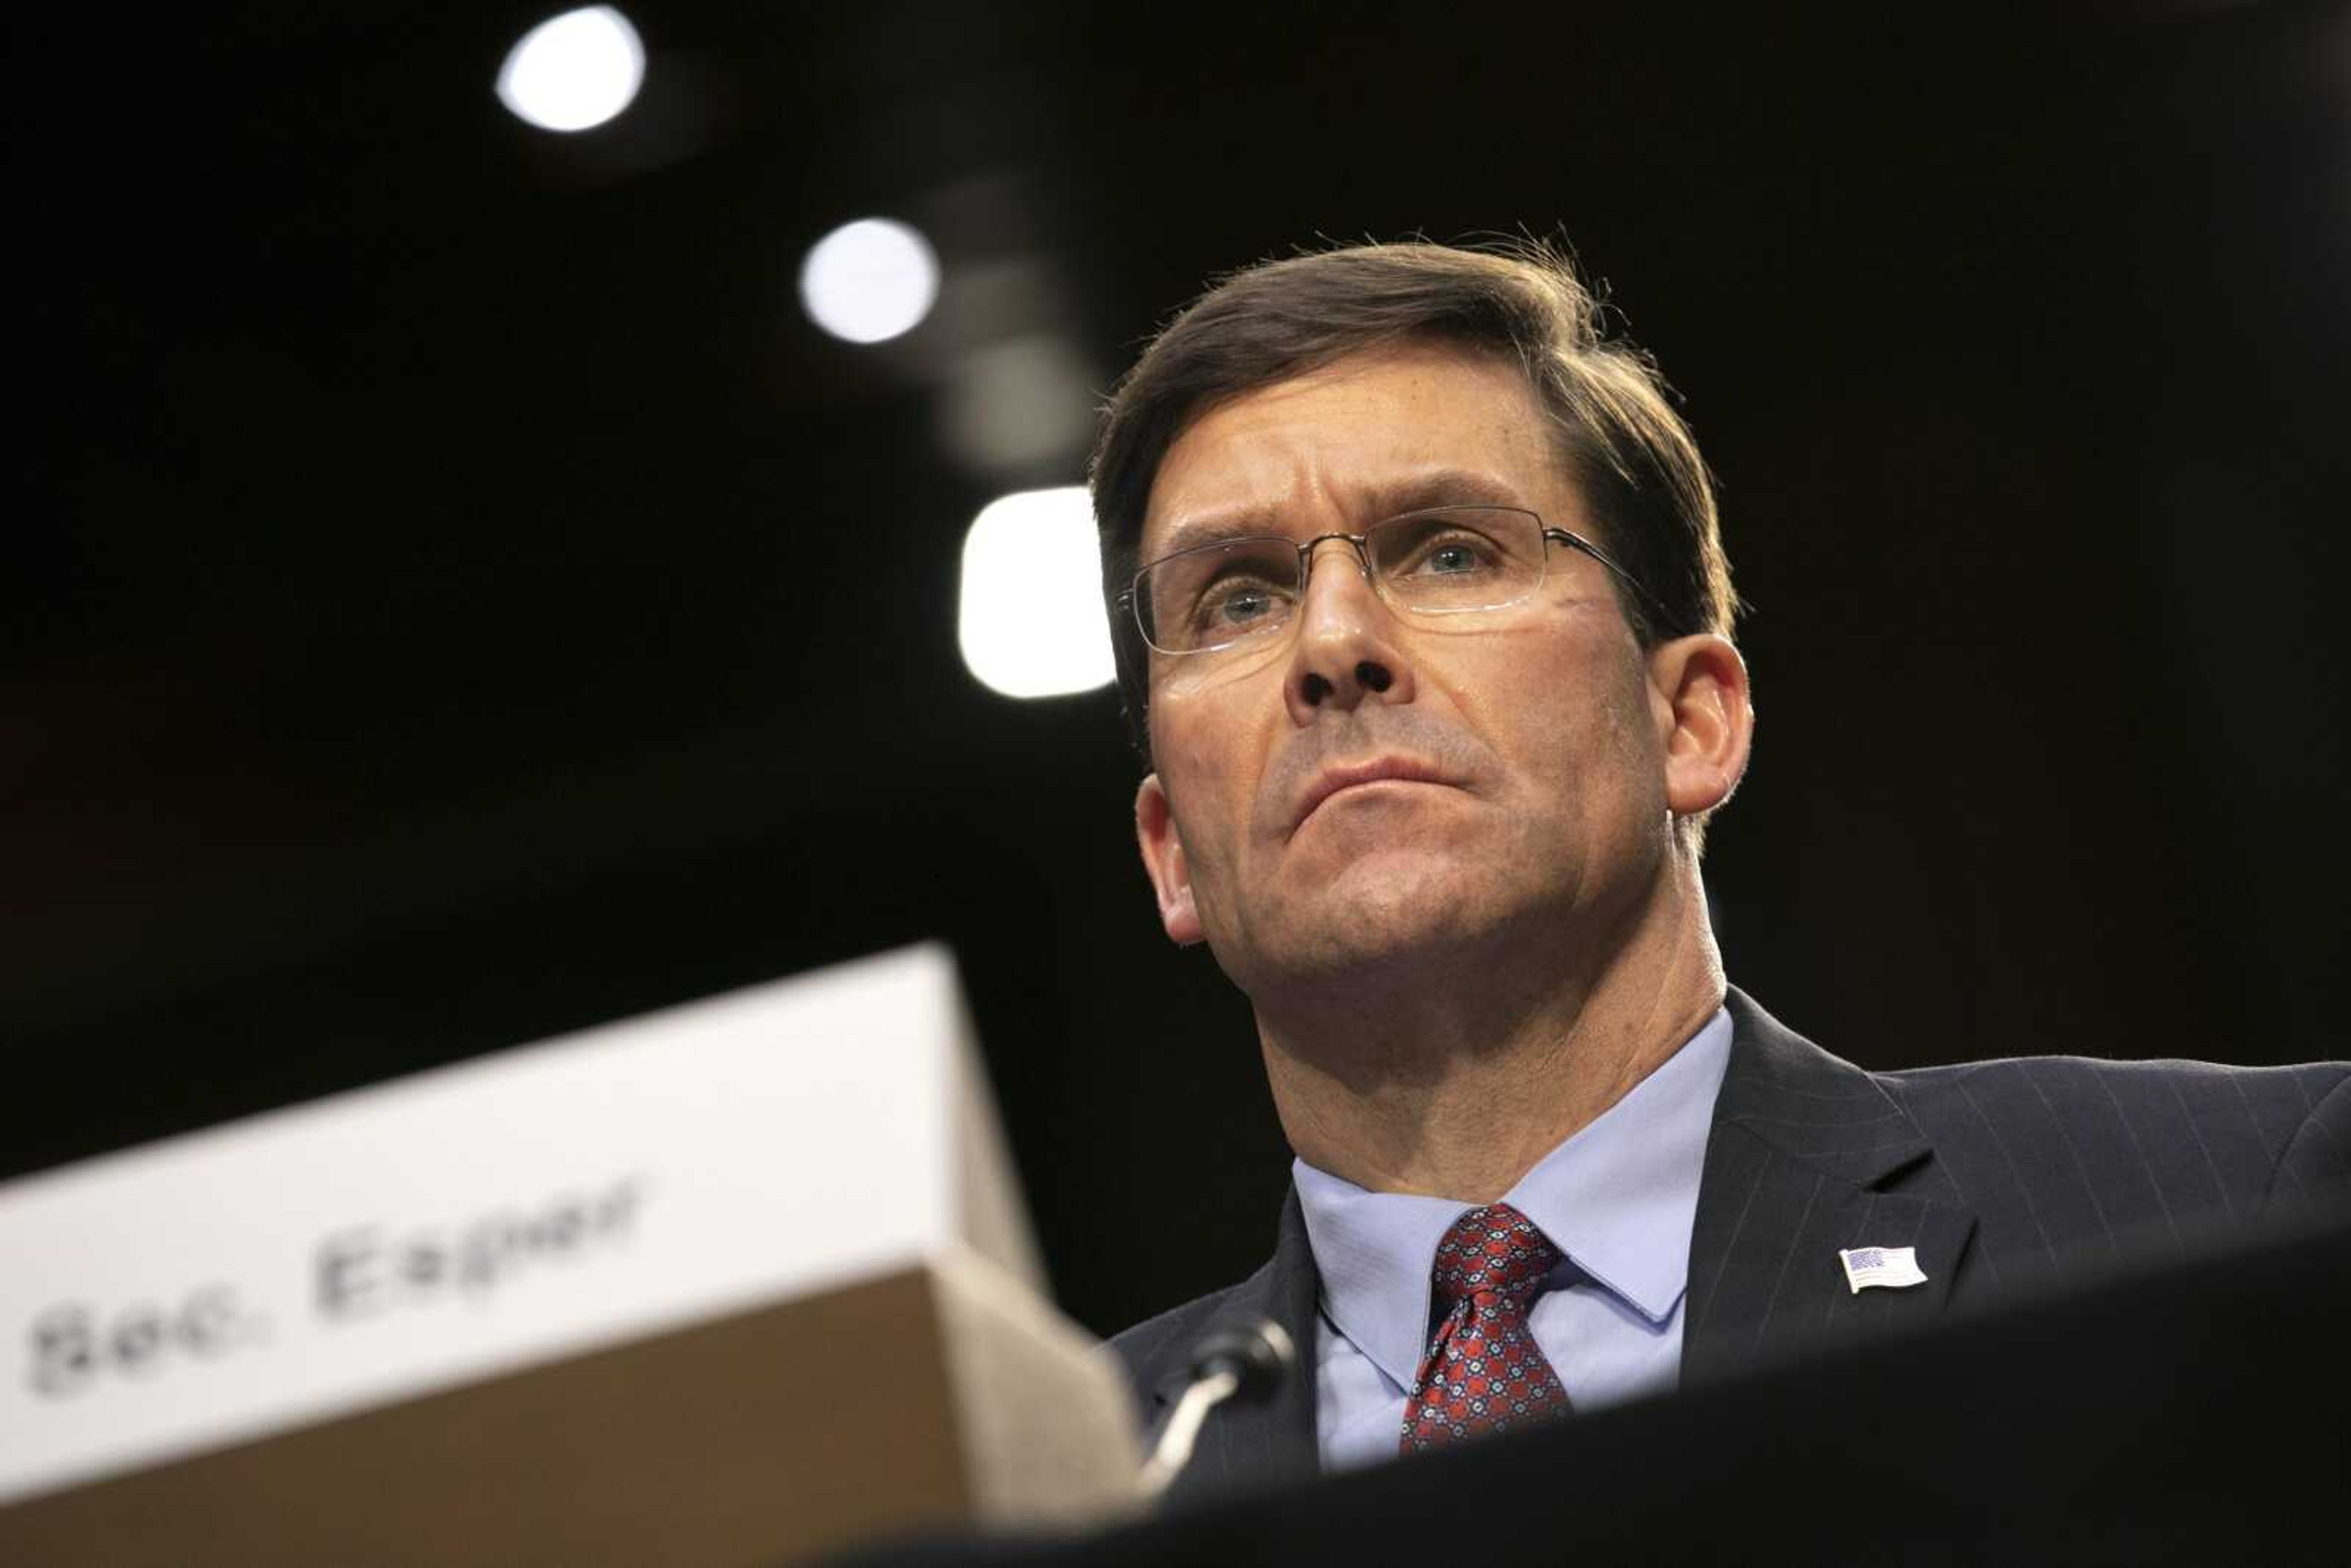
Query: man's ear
column 1163, row 859
column 1697, row 688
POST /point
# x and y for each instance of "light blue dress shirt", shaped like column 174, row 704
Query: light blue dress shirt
column 1617, row 1199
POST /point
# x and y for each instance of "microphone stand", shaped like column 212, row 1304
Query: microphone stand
column 1247, row 1363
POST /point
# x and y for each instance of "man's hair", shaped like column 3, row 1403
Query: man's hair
column 1646, row 487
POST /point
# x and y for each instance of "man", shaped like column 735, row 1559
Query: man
column 1424, row 618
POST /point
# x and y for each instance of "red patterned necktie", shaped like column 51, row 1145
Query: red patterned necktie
column 1483, row 1372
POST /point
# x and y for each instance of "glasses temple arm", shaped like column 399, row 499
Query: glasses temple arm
column 1576, row 542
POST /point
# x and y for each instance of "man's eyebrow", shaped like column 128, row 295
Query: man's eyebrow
column 1412, row 493
column 1214, row 528
column 1440, row 487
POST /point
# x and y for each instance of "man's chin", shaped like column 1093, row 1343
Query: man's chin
column 1376, row 917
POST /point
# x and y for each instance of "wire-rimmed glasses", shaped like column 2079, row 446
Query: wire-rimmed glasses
column 1440, row 560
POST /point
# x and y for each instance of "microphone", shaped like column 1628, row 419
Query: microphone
column 1248, row 1362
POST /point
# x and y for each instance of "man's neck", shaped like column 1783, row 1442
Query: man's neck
column 1457, row 1090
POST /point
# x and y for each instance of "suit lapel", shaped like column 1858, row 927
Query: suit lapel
column 1808, row 1156
column 1242, row 1444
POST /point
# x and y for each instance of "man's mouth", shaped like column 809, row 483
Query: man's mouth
column 1341, row 776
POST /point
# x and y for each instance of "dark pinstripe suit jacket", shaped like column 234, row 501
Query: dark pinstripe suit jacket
column 2004, row 1174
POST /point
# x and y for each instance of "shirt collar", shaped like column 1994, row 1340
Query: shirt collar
column 1618, row 1199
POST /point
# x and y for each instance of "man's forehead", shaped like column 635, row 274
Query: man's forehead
column 1375, row 433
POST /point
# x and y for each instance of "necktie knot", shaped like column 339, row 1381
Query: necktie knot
column 1493, row 1252
column 1484, row 1372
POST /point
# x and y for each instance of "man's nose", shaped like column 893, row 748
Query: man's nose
column 1347, row 647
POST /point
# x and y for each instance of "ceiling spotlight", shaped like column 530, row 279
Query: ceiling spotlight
column 573, row 71
column 1019, row 406
column 871, row 280
column 1032, row 622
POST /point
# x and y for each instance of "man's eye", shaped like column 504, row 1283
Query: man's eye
column 1456, row 555
column 1236, row 604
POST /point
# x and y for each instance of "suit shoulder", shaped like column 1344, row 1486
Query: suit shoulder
column 2163, row 1135
column 2200, row 1088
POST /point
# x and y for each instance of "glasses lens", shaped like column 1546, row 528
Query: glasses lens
column 1218, row 594
column 1466, row 558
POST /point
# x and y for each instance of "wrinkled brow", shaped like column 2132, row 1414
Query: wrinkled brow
column 1390, row 498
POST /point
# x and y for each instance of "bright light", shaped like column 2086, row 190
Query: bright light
column 573, row 71
column 869, row 280
column 1032, row 623
column 1019, row 405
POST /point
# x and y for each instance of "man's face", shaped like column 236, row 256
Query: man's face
column 1539, row 739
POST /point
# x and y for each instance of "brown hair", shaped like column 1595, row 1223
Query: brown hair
column 1647, row 489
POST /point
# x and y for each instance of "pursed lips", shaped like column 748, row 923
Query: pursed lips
column 1332, row 780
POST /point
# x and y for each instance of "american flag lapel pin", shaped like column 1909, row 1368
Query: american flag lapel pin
column 1891, row 1268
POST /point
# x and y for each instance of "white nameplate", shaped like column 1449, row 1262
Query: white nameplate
column 505, row 1211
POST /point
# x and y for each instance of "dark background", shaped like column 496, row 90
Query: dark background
column 409, row 647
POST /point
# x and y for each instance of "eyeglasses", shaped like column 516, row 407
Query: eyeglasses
column 1445, row 561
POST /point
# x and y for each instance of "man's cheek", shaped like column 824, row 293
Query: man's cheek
column 1212, row 894
column 1232, row 892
